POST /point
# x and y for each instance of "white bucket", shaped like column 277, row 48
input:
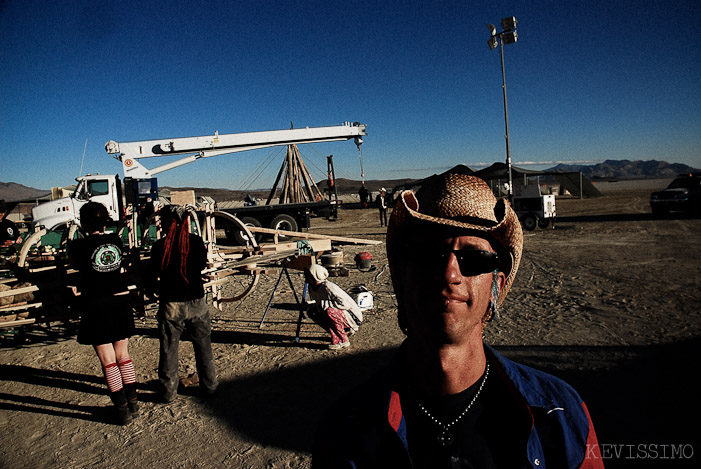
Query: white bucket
column 363, row 298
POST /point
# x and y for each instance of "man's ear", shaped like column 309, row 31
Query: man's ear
column 501, row 281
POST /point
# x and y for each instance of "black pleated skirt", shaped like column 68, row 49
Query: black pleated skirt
column 105, row 322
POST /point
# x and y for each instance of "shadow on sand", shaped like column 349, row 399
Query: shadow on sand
column 636, row 395
column 54, row 379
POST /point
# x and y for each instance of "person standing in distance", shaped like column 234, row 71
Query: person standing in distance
column 381, row 202
column 9, row 234
column 106, row 317
column 178, row 260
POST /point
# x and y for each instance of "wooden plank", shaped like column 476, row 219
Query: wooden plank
column 16, row 323
column 318, row 245
column 19, row 291
column 223, row 275
column 246, row 262
column 232, row 249
column 311, row 186
column 19, row 307
column 182, row 197
column 299, row 234
column 42, row 269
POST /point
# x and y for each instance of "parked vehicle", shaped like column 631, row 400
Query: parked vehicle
column 532, row 208
column 141, row 187
column 682, row 195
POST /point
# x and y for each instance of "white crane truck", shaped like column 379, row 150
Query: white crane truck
column 141, row 187
column 43, row 273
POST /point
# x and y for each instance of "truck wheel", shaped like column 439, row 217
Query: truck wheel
column 284, row 222
column 529, row 222
column 660, row 212
column 543, row 222
column 240, row 237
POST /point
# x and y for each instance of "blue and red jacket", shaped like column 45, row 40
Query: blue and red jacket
column 371, row 430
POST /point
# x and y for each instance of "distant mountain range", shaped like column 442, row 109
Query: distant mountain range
column 626, row 169
column 11, row 191
column 609, row 169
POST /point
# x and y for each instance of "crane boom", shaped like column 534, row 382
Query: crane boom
column 203, row 147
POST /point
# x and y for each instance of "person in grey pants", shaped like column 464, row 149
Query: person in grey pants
column 178, row 259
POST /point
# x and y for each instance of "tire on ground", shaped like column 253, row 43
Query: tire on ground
column 284, row 222
column 529, row 221
column 240, row 237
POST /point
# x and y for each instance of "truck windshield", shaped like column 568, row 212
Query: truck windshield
column 98, row 188
column 87, row 189
column 685, row 183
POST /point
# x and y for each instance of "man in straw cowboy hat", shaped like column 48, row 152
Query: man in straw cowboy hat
column 449, row 400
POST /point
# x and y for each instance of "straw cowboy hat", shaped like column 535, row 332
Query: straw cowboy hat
column 464, row 202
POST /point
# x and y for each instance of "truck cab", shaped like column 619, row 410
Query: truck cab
column 105, row 189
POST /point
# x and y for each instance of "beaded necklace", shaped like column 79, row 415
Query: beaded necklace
column 445, row 436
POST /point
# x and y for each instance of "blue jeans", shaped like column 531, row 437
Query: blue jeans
column 175, row 317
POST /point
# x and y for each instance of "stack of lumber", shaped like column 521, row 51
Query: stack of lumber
column 297, row 184
column 16, row 300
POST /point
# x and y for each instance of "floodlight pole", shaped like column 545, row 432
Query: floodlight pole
column 509, row 30
column 506, row 123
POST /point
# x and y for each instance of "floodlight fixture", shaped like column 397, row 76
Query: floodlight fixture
column 493, row 43
column 509, row 22
column 492, row 29
column 509, row 37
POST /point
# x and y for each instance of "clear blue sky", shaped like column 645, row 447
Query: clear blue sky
column 587, row 81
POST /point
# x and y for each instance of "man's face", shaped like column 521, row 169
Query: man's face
column 443, row 305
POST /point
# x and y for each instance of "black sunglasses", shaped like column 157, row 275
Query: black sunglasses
column 471, row 261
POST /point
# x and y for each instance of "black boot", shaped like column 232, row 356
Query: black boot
column 119, row 399
column 132, row 399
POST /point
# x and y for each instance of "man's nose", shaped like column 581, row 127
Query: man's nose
column 451, row 272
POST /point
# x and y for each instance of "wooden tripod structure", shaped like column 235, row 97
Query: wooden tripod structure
column 297, row 184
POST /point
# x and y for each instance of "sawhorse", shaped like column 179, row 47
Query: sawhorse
column 299, row 303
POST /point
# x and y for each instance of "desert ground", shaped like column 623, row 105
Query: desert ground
column 607, row 300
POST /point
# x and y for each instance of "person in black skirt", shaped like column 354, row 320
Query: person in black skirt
column 106, row 320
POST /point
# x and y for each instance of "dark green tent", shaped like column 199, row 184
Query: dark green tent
column 575, row 183
column 497, row 174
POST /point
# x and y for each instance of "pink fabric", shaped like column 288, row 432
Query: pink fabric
column 336, row 325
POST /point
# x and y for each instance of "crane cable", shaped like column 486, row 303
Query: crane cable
column 322, row 172
column 255, row 173
column 362, row 170
column 259, row 170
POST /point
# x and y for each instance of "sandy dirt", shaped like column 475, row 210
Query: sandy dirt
column 608, row 300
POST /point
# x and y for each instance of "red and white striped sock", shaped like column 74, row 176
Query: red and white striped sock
column 113, row 377
column 128, row 373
